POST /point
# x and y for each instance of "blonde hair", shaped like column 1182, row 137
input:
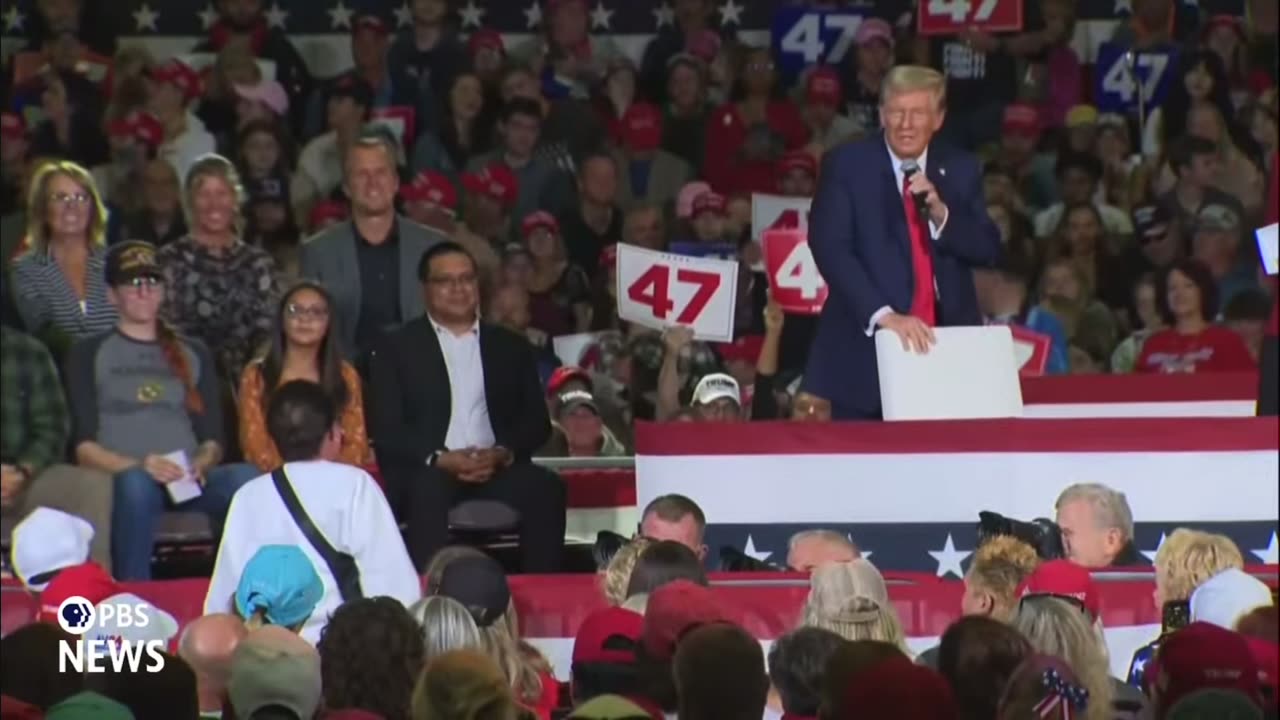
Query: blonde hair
column 1056, row 627
column 213, row 166
column 913, row 78
column 1110, row 507
column 1187, row 558
column 851, row 600
column 999, row 566
column 446, row 625
column 38, row 204
column 617, row 574
column 462, row 684
column 520, row 663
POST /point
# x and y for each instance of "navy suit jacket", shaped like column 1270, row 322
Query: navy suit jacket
column 858, row 234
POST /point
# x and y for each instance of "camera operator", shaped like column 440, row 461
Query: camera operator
column 1097, row 527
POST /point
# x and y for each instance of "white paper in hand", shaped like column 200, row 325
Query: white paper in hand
column 186, row 488
column 1269, row 247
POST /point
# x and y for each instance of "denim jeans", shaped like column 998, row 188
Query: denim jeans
column 139, row 501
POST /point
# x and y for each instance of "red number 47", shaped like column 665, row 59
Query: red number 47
column 653, row 287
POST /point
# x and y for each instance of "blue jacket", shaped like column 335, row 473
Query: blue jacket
column 858, row 234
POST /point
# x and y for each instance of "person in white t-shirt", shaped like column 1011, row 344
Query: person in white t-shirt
column 344, row 503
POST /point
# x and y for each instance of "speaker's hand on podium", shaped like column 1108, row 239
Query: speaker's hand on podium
column 915, row 334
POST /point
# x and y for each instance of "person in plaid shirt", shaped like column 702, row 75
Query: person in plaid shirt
column 34, row 427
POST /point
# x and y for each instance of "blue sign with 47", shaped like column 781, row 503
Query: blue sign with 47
column 1117, row 89
column 810, row 36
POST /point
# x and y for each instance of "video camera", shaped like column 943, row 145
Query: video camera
column 1042, row 534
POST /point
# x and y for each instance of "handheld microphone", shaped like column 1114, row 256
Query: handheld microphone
column 909, row 168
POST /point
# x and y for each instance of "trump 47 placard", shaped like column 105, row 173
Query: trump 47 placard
column 952, row 17
column 794, row 280
column 659, row 290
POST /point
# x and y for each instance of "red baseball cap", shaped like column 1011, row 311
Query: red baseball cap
column 673, row 610
column 539, row 220
column 142, row 127
column 746, row 349
column 327, row 210
column 486, row 39
column 1065, row 579
column 495, row 181
column 798, row 160
column 12, row 126
column 180, row 75
column 708, row 202
column 897, row 687
column 609, row 256
column 1203, row 656
column 642, row 127
column 1021, row 119
column 369, row 20
column 562, row 375
column 822, row 87
column 432, row 187
column 87, row 580
column 597, row 639
column 704, row 45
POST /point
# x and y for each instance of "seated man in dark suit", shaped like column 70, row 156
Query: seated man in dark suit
column 457, row 412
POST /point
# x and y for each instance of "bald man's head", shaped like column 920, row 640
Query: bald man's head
column 207, row 645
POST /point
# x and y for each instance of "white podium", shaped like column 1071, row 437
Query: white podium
column 970, row 373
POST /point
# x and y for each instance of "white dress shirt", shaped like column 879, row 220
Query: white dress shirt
column 469, row 424
column 346, row 506
column 934, row 230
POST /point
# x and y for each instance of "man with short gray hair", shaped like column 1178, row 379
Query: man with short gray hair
column 809, row 549
column 1097, row 526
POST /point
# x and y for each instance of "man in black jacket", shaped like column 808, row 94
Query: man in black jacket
column 457, row 412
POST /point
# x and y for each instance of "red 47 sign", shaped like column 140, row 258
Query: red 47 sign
column 952, row 17
column 659, row 290
column 794, row 280
column 1031, row 350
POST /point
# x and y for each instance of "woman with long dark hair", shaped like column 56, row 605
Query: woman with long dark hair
column 1200, row 76
column 1192, row 343
column 468, row 127
column 147, row 409
column 304, row 346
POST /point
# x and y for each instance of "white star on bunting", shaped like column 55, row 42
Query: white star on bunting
column 340, row 16
column 1123, row 6
column 208, row 16
column 13, row 19
column 751, row 551
column 863, row 553
column 663, row 15
column 1269, row 554
column 601, row 17
column 404, row 16
column 144, row 18
column 949, row 558
column 533, row 15
column 1151, row 554
column 731, row 12
column 277, row 16
column 472, row 14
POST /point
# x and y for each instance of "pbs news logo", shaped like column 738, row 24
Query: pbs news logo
column 108, row 635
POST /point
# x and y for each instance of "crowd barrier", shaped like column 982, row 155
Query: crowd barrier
column 551, row 607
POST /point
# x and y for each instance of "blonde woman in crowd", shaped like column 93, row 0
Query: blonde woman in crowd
column 852, row 600
column 446, row 626
column 59, row 286
column 1187, row 558
column 617, row 575
column 1058, row 628
column 462, row 685
column 221, row 289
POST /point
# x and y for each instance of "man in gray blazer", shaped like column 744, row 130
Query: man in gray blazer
column 663, row 173
column 369, row 264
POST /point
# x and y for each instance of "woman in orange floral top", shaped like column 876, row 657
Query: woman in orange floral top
column 304, row 347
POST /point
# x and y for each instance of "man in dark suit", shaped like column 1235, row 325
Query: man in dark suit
column 370, row 262
column 457, row 413
column 897, row 225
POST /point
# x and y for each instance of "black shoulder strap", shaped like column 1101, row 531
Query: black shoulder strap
column 341, row 565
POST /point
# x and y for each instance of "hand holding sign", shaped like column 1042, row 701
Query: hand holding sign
column 660, row 290
column 794, row 280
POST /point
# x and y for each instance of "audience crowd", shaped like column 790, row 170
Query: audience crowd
column 249, row 297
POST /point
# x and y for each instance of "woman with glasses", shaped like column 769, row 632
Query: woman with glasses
column 146, row 408
column 58, row 285
column 303, row 347
column 221, row 289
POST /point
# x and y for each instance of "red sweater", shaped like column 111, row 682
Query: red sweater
column 1214, row 349
column 725, row 168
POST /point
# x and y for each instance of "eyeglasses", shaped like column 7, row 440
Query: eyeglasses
column 453, row 281
column 146, row 281
column 309, row 312
column 62, row 198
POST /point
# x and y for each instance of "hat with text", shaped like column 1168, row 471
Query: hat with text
column 86, row 580
column 688, row 193
column 710, row 201
column 139, row 126
column 432, row 187
column 1226, row 597
column 799, row 161
column 1063, row 579
column 1150, row 221
column 565, row 374
column 822, row 87
column 129, row 260
column 642, row 127
column 496, row 182
column 480, row 584
column 280, row 582
column 115, row 625
column 714, row 387
column 1203, row 656
column 45, row 542
column 272, row 666
column 574, row 399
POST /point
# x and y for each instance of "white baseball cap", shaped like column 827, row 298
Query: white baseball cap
column 46, row 541
column 714, row 386
column 160, row 625
column 1226, row 597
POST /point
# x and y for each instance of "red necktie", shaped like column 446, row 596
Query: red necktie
column 922, row 300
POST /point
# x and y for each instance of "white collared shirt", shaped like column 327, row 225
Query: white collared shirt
column 469, row 424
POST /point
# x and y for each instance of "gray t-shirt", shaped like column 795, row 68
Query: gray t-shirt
column 125, row 397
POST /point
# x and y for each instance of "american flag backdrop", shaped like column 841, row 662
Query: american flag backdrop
column 305, row 17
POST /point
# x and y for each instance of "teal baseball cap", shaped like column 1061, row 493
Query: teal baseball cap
column 281, row 581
